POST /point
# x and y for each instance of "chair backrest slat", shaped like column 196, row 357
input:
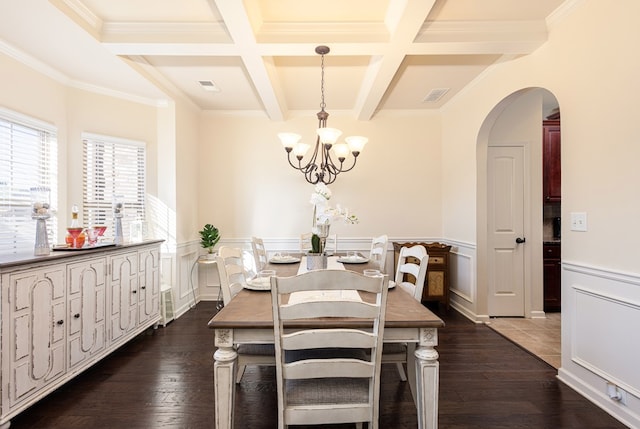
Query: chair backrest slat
column 324, row 368
column 328, row 337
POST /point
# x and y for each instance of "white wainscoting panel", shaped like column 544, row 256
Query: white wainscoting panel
column 600, row 340
column 606, row 347
column 462, row 275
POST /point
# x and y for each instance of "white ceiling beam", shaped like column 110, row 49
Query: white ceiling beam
column 236, row 19
column 404, row 24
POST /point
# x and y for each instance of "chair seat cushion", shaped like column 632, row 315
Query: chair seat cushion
column 394, row 348
column 327, row 391
column 256, row 349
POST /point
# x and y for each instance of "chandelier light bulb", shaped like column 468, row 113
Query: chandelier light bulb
column 289, row 140
column 356, row 143
column 300, row 149
column 328, row 135
column 341, row 150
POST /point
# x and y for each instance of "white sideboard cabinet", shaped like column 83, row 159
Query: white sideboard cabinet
column 62, row 313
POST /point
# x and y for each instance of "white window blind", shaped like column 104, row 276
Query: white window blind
column 113, row 167
column 28, row 158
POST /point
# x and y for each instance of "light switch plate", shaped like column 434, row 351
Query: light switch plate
column 578, row 221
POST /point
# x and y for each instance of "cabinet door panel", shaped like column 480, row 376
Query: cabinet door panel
column 551, row 172
column 149, row 304
column 124, row 290
column 36, row 332
column 87, row 326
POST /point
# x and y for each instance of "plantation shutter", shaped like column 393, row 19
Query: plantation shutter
column 28, row 158
column 113, row 167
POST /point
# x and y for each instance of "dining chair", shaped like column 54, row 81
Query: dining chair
column 305, row 243
column 231, row 269
column 328, row 373
column 231, row 272
column 378, row 252
column 410, row 274
column 331, row 244
column 259, row 252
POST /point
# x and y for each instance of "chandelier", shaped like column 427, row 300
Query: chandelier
column 321, row 167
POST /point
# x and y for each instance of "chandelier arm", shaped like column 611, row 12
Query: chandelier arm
column 350, row 168
column 299, row 167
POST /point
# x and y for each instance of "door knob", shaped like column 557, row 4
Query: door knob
column 520, row 240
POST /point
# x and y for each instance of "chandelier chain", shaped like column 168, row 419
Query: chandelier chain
column 322, row 103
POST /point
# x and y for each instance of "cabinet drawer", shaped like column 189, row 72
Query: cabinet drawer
column 551, row 252
column 436, row 259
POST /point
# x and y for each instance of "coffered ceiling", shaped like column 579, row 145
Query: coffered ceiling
column 258, row 55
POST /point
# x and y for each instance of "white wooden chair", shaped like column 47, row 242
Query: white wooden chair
column 409, row 277
column 328, row 374
column 305, row 243
column 331, row 245
column 231, row 272
column 378, row 252
column 259, row 252
column 231, row 269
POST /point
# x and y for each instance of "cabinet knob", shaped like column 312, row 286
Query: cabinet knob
column 143, row 287
column 520, row 240
column 59, row 322
column 76, row 316
column 134, row 291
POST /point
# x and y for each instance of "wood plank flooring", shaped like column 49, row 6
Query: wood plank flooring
column 164, row 379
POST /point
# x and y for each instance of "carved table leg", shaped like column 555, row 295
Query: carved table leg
column 224, row 370
column 427, row 379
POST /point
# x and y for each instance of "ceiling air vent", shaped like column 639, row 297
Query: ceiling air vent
column 209, row 85
column 435, row 95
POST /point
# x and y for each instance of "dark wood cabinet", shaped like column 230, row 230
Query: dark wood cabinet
column 552, row 274
column 436, row 283
column 551, row 172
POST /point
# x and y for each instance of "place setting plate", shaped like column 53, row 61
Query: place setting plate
column 284, row 260
column 258, row 283
column 353, row 259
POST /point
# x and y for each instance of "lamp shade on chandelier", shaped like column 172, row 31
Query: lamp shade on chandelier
column 328, row 157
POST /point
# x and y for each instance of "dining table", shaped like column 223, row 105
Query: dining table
column 248, row 319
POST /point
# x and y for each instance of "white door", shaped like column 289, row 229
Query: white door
column 505, row 173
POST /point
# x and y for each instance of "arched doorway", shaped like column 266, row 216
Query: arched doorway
column 510, row 221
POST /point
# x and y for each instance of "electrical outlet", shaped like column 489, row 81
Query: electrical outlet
column 616, row 393
column 578, row 221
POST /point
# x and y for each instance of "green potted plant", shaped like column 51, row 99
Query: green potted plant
column 316, row 258
column 209, row 237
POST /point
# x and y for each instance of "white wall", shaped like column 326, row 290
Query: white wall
column 248, row 188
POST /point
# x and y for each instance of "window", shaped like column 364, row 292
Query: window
column 113, row 167
column 28, row 158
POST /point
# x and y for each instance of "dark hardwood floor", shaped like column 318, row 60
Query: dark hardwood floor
column 164, row 379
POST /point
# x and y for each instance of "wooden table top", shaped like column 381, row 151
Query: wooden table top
column 251, row 309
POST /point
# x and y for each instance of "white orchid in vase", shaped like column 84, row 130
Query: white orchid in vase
column 324, row 215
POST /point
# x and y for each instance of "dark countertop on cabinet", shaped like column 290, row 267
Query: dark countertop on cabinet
column 13, row 259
